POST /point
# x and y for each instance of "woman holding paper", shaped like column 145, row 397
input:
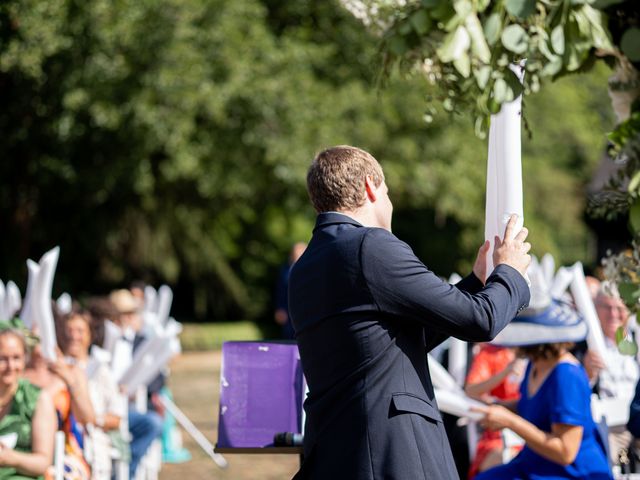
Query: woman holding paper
column 495, row 374
column 554, row 412
column 67, row 385
column 25, row 451
column 108, row 403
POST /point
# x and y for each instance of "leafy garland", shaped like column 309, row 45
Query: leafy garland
column 464, row 49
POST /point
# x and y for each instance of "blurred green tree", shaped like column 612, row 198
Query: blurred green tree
column 169, row 141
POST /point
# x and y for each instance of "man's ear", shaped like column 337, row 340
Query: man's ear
column 371, row 189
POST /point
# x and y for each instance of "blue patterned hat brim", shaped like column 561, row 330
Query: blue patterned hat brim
column 557, row 323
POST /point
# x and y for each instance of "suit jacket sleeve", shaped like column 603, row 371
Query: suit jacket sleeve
column 402, row 285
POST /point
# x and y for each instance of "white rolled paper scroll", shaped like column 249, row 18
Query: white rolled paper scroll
column 165, row 299
column 458, row 360
column 562, row 280
column 150, row 299
column 458, row 404
column 3, row 313
column 28, row 308
column 12, row 300
column 441, row 378
column 44, row 313
column 548, row 266
column 584, row 303
column 64, row 303
column 121, row 357
column 504, row 170
column 149, row 360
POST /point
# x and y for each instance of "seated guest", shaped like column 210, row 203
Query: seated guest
column 144, row 427
column 617, row 375
column 103, row 389
column 495, row 374
column 67, row 386
column 553, row 415
column 26, row 412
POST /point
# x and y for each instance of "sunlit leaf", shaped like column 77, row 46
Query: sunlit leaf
column 454, row 45
column 557, row 39
column 515, row 39
column 492, row 27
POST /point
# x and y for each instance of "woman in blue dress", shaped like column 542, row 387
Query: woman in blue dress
column 553, row 415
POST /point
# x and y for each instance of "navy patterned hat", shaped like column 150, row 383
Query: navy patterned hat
column 559, row 322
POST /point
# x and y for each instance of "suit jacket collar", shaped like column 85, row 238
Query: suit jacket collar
column 331, row 218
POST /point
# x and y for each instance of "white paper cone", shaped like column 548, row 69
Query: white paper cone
column 3, row 307
column 548, row 266
column 150, row 299
column 64, row 303
column 458, row 360
column 28, row 307
column 584, row 303
column 44, row 317
column 504, row 170
column 561, row 282
column 121, row 358
column 457, row 404
column 441, row 378
column 12, row 299
column 151, row 363
column 165, row 299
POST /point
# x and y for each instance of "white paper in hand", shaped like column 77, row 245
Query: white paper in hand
column 9, row 440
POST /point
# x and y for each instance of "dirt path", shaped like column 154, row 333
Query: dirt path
column 194, row 383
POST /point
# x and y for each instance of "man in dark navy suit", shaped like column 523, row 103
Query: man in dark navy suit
column 366, row 311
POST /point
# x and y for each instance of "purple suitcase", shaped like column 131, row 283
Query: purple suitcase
column 261, row 393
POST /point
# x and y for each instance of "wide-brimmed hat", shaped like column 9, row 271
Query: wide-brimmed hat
column 124, row 301
column 557, row 323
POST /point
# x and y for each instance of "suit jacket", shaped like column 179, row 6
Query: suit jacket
column 366, row 311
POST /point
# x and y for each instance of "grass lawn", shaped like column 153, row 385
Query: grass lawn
column 210, row 336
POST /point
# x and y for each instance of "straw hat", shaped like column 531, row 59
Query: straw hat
column 124, row 301
column 559, row 322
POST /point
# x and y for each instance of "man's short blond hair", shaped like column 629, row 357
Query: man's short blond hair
column 336, row 178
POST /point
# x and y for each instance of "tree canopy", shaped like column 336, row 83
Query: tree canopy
column 169, row 141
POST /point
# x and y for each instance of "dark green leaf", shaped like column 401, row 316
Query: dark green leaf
column 630, row 43
column 634, row 217
column 492, row 26
column 421, row 22
column 514, row 83
column 520, row 8
column 629, row 293
column 397, row 45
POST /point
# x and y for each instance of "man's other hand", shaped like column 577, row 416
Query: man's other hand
column 512, row 250
column 480, row 267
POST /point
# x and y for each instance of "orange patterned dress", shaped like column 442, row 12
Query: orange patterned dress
column 490, row 361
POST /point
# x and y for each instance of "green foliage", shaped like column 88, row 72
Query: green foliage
column 465, row 48
column 169, row 141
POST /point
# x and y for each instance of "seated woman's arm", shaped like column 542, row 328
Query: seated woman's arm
column 76, row 382
column 481, row 389
column 43, row 429
column 560, row 446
